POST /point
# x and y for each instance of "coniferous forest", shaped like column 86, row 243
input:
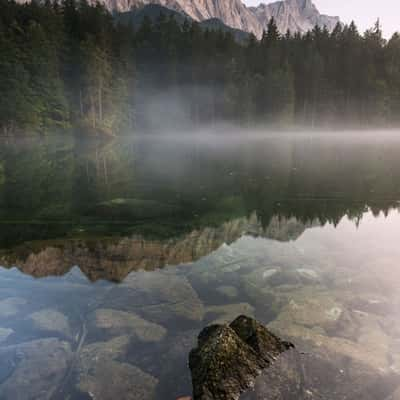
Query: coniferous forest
column 70, row 65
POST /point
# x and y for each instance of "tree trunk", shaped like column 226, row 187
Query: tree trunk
column 87, row 171
column 105, row 170
column 100, row 103
column 80, row 103
column 93, row 110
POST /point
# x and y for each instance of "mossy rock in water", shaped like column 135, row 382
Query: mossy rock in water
column 230, row 357
column 122, row 209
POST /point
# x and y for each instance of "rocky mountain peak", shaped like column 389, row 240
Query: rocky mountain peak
column 293, row 15
column 303, row 4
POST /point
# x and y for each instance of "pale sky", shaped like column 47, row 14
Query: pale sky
column 363, row 12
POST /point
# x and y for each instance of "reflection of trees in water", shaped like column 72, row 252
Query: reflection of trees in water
column 326, row 181
column 57, row 185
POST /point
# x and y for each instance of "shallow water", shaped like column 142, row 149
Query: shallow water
column 116, row 255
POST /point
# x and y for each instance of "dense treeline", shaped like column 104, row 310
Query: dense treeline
column 63, row 65
column 68, row 64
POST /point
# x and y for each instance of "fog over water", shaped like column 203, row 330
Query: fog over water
column 127, row 248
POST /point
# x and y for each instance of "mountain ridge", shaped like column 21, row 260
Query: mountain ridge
column 294, row 15
column 152, row 11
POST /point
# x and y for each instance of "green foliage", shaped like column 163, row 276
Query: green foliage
column 71, row 64
column 60, row 67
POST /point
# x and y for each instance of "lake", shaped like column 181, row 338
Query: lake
column 116, row 254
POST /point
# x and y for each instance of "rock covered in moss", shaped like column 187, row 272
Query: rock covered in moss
column 259, row 338
column 230, row 357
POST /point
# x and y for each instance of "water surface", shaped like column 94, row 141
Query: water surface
column 115, row 255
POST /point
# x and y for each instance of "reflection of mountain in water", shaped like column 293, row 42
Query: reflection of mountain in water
column 143, row 205
column 178, row 199
column 113, row 259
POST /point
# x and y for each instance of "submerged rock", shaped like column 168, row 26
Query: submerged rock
column 120, row 322
column 11, row 306
column 132, row 208
column 310, row 307
column 358, row 365
column 33, row 370
column 5, row 333
column 171, row 363
column 117, row 380
column 230, row 357
column 158, row 296
column 395, row 395
column 49, row 320
column 227, row 291
column 308, row 275
column 284, row 380
column 260, row 277
column 102, row 376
